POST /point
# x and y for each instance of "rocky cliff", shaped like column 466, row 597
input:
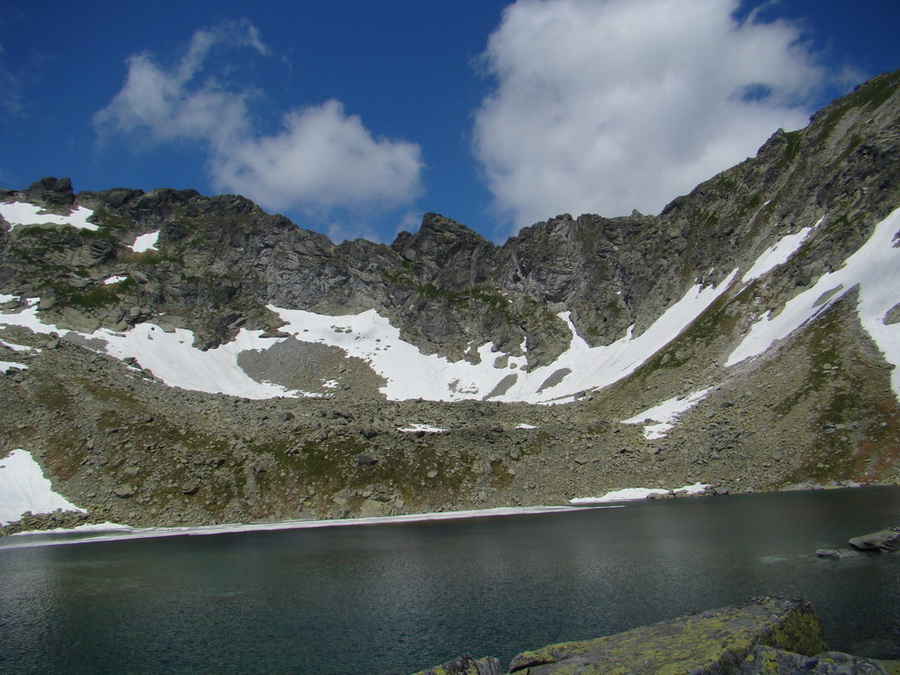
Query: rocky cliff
column 606, row 317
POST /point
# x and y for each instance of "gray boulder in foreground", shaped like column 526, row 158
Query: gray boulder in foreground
column 710, row 643
column 771, row 635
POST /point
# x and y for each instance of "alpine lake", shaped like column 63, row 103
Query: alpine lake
column 404, row 596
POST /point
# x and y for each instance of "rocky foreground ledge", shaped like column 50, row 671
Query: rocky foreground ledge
column 763, row 635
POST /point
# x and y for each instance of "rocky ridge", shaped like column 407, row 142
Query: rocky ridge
column 818, row 410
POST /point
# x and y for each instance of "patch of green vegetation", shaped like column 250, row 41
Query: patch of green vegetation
column 466, row 297
column 877, row 91
column 707, row 219
column 754, row 202
column 793, row 145
column 90, row 299
column 870, row 95
column 712, row 323
column 110, row 221
column 727, row 183
column 432, row 292
column 402, row 274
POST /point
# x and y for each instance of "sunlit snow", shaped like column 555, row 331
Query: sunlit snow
column 411, row 374
column 779, row 253
column 27, row 318
column 17, row 348
column 427, row 428
column 24, row 488
column 171, row 357
column 631, row 494
column 6, row 366
column 665, row 414
column 874, row 269
column 19, row 213
column 145, row 242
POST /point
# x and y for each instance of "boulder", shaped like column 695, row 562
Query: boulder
column 123, row 491
column 713, row 642
column 836, row 553
column 883, row 540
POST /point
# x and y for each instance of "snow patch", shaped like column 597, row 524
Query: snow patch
column 24, row 488
column 145, row 242
column 779, row 253
column 172, row 358
column 665, row 414
column 19, row 213
column 874, row 269
column 114, row 280
column 17, row 348
column 410, row 374
column 6, row 366
column 632, row 494
column 27, row 317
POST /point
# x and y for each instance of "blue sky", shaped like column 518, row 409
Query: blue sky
column 354, row 117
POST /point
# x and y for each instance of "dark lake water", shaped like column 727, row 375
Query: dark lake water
column 401, row 597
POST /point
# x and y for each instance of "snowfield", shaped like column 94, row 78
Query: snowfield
column 172, row 358
column 874, row 270
column 633, row 494
column 24, row 488
column 145, row 242
column 19, row 213
column 778, row 253
column 411, row 374
column 665, row 414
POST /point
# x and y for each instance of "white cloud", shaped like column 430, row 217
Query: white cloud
column 605, row 106
column 321, row 159
column 168, row 105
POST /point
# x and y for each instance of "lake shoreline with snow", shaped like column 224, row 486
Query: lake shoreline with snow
column 47, row 531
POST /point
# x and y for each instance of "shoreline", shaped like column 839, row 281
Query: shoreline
column 102, row 532
column 93, row 533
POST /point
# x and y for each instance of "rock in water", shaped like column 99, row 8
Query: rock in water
column 836, row 553
column 883, row 540
column 713, row 642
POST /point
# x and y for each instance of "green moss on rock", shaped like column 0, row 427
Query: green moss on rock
column 710, row 642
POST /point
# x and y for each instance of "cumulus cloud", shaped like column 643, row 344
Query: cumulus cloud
column 604, row 106
column 324, row 157
column 321, row 158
